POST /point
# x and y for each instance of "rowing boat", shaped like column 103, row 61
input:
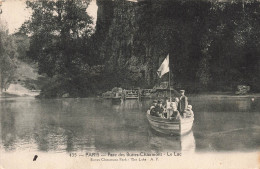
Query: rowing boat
column 169, row 126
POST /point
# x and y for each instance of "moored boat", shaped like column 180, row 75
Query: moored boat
column 169, row 126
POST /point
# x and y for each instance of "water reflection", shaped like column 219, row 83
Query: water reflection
column 65, row 125
column 131, row 104
column 160, row 142
column 8, row 130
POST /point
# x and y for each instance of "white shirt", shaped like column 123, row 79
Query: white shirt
column 171, row 105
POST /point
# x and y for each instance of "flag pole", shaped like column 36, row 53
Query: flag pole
column 170, row 79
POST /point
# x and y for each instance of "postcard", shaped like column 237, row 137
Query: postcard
column 129, row 84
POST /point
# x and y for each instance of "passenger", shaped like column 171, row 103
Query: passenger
column 152, row 108
column 159, row 109
column 168, row 108
column 189, row 112
column 183, row 102
column 174, row 104
column 177, row 101
column 175, row 113
column 167, row 103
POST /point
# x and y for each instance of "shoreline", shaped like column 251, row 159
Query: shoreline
column 223, row 95
column 199, row 95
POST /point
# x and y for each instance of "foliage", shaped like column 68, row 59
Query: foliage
column 22, row 42
column 212, row 45
column 59, row 34
column 8, row 55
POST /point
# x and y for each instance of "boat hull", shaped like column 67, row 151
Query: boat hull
column 170, row 127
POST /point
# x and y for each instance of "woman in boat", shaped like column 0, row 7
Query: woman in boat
column 175, row 113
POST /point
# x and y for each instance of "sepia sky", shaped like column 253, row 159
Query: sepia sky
column 15, row 13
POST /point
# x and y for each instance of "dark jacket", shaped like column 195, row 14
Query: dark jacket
column 183, row 103
column 158, row 110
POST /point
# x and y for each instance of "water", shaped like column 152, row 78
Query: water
column 69, row 125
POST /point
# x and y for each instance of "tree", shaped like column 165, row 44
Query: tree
column 58, row 30
column 8, row 55
column 22, row 42
column 59, row 34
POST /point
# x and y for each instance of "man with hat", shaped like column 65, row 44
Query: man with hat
column 183, row 103
column 152, row 108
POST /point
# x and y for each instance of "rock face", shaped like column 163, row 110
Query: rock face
column 105, row 15
column 120, row 49
column 104, row 18
column 134, row 38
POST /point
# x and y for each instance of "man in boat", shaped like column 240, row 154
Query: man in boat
column 152, row 108
column 183, row 102
column 159, row 109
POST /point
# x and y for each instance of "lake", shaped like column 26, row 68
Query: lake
column 92, row 124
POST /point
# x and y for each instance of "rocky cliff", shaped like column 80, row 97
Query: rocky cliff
column 207, row 42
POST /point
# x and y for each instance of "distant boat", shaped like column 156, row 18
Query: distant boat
column 170, row 127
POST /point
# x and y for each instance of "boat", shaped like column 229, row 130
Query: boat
column 181, row 126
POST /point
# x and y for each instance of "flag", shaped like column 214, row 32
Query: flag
column 164, row 68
